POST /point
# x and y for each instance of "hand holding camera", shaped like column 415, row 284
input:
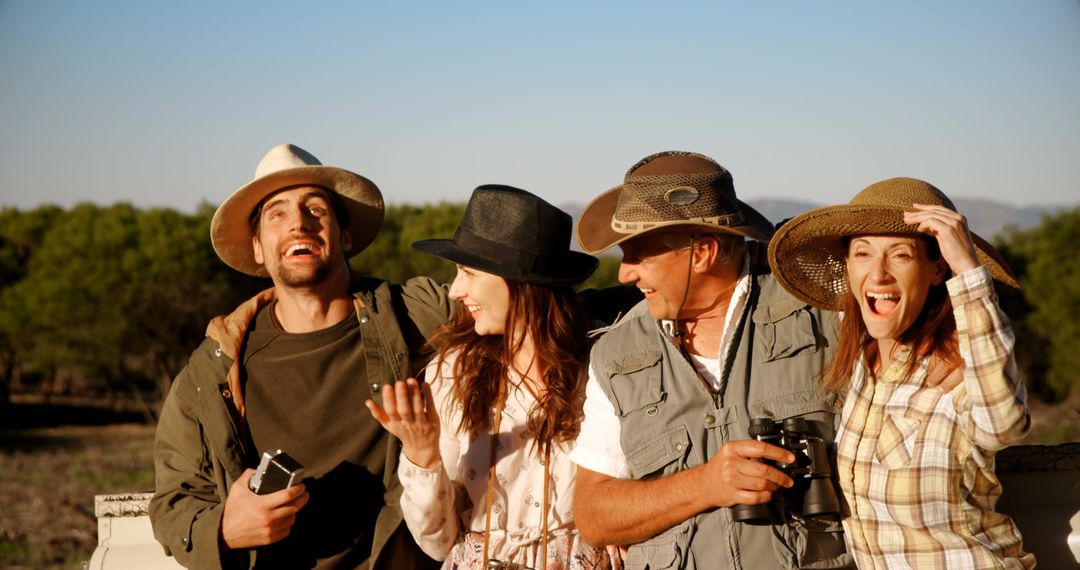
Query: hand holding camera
column 250, row 519
column 277, row 470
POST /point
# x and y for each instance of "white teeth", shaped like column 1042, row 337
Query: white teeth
column 472, row 308
column 647, row 290
column 299, row 246
column 883, row 296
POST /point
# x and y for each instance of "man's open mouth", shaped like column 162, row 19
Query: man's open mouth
column 298, row 249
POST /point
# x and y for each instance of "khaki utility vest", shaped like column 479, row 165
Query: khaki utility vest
column 670, row 421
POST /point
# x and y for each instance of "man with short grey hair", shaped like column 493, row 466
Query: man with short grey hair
column 665, row 454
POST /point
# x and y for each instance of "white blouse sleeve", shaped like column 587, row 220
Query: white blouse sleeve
column 431, row 502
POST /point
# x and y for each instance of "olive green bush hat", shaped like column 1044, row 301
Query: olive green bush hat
column 665, row 190
column 807, row 252
column 285, row 166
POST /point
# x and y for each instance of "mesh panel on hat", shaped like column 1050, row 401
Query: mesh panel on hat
column 497, row 222
column 643, row 200
column 820, row 273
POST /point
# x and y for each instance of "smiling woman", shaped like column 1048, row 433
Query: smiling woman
column 485, row 443
column 915, row 452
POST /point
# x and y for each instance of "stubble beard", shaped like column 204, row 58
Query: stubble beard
column 295, row 278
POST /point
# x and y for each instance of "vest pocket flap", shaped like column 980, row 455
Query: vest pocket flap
column 671, row 445
column 775, row 311
column 795, row 404
column 635, row 384
column 665, row 550
column 635, row 361
column 786, row 336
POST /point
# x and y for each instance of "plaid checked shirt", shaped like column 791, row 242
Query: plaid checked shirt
column 916, row 464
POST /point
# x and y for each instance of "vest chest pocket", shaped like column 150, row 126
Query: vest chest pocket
column 786, row 329
column 635, row 384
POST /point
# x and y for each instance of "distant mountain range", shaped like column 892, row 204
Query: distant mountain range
column 987, row 217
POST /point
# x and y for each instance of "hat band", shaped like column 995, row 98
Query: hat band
column 624, row 227
column 504, row 254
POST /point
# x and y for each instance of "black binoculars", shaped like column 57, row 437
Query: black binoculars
column 813, row 494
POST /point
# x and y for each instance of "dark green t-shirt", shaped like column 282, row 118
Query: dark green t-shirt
column 305, row 395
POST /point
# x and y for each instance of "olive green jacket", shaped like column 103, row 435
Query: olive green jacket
column 203, row 445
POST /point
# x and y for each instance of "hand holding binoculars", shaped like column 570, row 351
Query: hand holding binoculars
column 813, row 494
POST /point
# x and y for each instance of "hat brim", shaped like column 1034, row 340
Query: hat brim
column 595, row 234
column 577, row 267
column 230, row 231
column 807, row 252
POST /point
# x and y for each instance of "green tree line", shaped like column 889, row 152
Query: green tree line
column 109, row 301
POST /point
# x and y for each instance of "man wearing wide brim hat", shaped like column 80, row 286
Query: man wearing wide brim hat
column 664, row 452
column 290, row 369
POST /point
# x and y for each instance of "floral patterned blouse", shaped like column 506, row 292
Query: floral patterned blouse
column 444, row 505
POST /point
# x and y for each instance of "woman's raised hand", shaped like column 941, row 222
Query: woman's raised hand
column 408, row 412
column 950, row 230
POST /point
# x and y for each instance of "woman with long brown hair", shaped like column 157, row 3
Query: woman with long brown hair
column 915, row 455
column 485, row 440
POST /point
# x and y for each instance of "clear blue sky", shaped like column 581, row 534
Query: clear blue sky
column 173, row 103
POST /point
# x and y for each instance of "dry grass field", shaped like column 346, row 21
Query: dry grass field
column 48, row 479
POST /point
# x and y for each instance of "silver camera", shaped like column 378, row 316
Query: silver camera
column 276, row 471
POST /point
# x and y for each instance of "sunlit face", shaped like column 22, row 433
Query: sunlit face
column 299, row 240
column 890, row 277
column 659, row 271
column 486, row 296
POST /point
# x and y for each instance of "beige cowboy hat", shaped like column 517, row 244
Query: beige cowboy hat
column 665, row 190
column 807, row 252
column 285, row 166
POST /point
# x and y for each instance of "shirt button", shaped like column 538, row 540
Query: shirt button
column 364, row 319
column 226, row 393
column 184, row 540
column 710, row 420
column 375, row 388
column 678, row 447
column 217, row 351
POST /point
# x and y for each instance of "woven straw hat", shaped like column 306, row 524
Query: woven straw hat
column 807, row 252
column 516, row 234
column 666, row 190
column 284, row 166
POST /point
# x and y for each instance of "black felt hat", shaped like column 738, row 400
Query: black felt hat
column 514, row 234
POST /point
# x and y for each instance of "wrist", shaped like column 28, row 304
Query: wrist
column 422, row 458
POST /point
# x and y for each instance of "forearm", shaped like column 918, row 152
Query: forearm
column 996, row 396
column 428, row 504
column 186, row 509
column 622, row 511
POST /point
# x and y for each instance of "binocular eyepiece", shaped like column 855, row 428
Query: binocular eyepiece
column 813, row 494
